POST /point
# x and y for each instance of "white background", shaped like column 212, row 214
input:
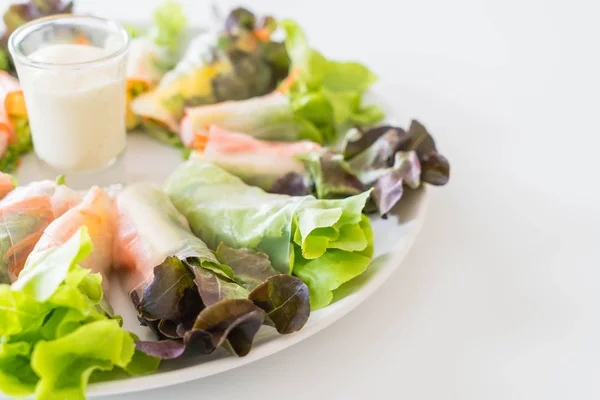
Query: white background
column 500, row 296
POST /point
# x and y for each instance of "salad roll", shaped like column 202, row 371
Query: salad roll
column 15, row 135
column 257, row 162
column 153, row 53
column 268, row 117
column 323, row 242
column 236, row 61
column 96, row 213
column 184, row 293
column 26, row 212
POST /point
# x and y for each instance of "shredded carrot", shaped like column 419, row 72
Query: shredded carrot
column 289, row 81
column 200, row 142
column 262, row 34
column 17, row 254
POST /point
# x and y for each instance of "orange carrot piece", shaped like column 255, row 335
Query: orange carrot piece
column 289, row 81
column 262, row 34
column 15, row 104
column 200, row 142
column 17, row 255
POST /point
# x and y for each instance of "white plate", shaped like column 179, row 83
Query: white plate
column 147, row 159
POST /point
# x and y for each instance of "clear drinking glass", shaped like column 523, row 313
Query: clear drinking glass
column 72, row 71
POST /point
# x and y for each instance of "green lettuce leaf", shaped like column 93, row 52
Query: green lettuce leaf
column 66, row 364
column 290, row 230
column 4, row 60
column 17, row 378
column 328, row 272
column 45, row 271
column 333, row 89
column 21, row 146
column 170, row 24
column 54, row 333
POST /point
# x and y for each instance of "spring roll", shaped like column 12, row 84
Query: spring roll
column 257, row 162
column 161, row 258
column 154, row 53
column 233, row 62
column 323, row 242
column 178, row 285
column 15, row 136
column 96, row 212
column 25, row 213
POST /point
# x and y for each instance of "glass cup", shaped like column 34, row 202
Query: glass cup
column 72, row 71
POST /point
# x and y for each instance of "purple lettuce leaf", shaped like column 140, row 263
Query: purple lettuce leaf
column 357, row 141
column 160, row 299
column 235, row 321
column 389, row 158
column 250, row 268
column 435, row 167
column 220, row 309
column 215, row 287
column 332, row 175
column 292, row 184
column 389, row 188
column 285, row 299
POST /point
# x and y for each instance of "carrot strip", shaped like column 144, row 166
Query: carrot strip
column 16, row 255
column 15, row 104
column 287, row 83
column 200, row 142
column 262, row 34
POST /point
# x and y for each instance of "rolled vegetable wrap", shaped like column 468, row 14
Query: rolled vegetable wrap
column 25, row 213
column 268, row 117
column 235, row 61
column 96, row 213
column 324, row 242
column 153, row 54
column 15, row 136
column 257, row 162
column 184, row 293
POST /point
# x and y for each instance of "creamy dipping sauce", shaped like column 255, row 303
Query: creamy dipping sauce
column 77, row 116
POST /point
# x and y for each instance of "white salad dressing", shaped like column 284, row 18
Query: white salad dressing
column 77, row 116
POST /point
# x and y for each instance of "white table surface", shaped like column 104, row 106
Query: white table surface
column 500, row 296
